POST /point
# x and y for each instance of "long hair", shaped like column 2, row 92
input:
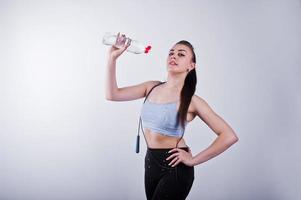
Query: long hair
column 188, row 89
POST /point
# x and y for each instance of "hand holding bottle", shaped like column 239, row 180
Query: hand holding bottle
column 124, row 43
column 120, row 45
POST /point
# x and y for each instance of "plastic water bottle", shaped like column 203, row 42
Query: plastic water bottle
column 135, row 46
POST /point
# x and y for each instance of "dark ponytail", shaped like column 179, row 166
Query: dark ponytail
column 189, row 87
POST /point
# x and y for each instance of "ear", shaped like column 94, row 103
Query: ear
column 192, row 66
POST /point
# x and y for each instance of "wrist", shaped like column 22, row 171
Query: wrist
column 112, row 58
column 194, row 161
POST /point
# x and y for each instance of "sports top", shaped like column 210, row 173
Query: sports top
column 162, row 118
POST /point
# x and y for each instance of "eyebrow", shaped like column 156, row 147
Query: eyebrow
column 178, row 50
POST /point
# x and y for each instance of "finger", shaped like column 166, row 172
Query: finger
column 120, row 41
column 128, row 43
column 173, row 155
column 176, row 163
column 173, row 150
column 121, row 38
column 173, row 161
column 117, row 38
column 116, row 41
column 123, row 43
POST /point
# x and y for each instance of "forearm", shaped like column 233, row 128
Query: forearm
column 111, row 83
column 219, row 145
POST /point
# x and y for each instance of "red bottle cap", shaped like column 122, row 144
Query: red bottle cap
column 147, row 49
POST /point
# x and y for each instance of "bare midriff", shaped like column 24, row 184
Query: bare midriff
column 158, row 140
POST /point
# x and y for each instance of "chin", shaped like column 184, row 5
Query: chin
column 173, row 66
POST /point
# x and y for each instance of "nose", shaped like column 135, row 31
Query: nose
column 173, row 57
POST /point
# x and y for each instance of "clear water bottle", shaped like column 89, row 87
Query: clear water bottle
column 135, row 46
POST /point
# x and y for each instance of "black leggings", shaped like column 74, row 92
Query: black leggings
column 163, row 182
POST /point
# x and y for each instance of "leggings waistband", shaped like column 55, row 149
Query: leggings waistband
column 166, row 149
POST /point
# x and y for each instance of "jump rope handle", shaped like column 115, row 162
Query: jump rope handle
column 137, row 143
column 138, row 137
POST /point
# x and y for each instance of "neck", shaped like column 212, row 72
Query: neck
column 175, row 82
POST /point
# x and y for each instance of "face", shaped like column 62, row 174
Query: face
column 180, row 59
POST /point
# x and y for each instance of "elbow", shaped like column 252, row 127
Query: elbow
column 109, row 97
column 231, row 138
column 235, row 139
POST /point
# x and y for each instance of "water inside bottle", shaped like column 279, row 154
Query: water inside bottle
column 135, row 46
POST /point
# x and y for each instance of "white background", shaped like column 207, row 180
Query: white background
column 61, row 139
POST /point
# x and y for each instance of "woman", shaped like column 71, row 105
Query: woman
column 168, row 107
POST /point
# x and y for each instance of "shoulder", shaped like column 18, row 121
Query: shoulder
column 196, row 100
column 150, row 84
column 199, row 106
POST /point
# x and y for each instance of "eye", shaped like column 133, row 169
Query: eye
column 180, row 54
column 170, row 54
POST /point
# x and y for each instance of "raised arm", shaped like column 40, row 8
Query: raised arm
column 113, row 93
